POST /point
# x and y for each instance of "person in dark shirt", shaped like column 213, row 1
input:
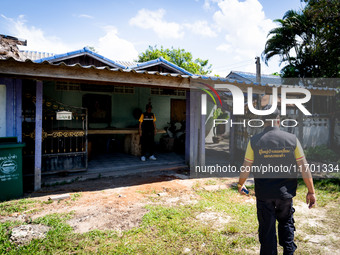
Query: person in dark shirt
column 274, row 190
column 147, row 131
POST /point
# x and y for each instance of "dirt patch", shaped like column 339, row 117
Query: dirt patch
column 215, row 219
column 310, row 217
column 317, row 228
column 215, row 187
column 115, row 203
column 183, row 199
column 120, row 203
column 109, row 218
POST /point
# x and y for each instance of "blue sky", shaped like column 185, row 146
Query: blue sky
column 230, row 33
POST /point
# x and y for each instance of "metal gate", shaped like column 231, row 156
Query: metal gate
column 64, row 137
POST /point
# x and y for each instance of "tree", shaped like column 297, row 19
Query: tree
column 308, row 41
column 179, row 57
column 325, row 18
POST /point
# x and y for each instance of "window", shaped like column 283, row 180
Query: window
column 124, row 90
column 67, row 87
column 167, row 92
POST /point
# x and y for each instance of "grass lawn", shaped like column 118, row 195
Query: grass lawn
column 177, row 229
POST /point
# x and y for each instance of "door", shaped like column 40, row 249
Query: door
column 177, row 110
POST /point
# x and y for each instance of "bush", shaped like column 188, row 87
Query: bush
column 321, row 153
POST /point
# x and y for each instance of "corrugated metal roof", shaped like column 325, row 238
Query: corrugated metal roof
column 126, row 63
column 117, row 63
column 85, row 50
column 158, row 61
column 37, row 55
column 34, row 55
column 265, row 78
column 112, row 63
column 253, row 75
column 194, row 77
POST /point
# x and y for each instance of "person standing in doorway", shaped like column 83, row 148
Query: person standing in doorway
column 147, row 131
column 276, row 149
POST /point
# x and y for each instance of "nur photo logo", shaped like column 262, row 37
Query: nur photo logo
column 290, row 96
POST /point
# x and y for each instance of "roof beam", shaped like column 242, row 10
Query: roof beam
column 46, row 71
column 78, row 73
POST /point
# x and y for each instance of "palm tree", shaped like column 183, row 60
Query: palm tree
column 307, row 41
column 293, row 41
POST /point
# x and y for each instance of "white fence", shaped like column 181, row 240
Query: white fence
column 316, row 131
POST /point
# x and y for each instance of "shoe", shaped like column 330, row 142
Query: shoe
column 142, row 158
column 152, row 157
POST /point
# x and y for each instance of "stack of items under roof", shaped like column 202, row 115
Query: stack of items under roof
column 9, row 47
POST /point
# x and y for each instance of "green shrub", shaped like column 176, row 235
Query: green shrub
column 321, row 153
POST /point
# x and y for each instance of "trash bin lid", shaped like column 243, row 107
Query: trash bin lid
column 12, row 145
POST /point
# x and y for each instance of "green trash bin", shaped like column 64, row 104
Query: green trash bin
column 10, row 168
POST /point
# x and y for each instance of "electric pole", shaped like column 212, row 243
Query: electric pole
column 258, row 70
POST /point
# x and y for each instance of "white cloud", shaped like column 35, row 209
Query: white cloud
column 154, row 20
column 36, row 38
column 86, row 16
column 244, row 23
column 115, row 48
column 201, row 27
column 245, row 30
column 224, row 47
column 207, row 4
column 110, row 45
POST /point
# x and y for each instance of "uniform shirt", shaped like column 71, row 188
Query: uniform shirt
column 298, row 152
column 276, row 148
column 147, row 120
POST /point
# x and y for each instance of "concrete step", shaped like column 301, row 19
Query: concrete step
column 102, row 173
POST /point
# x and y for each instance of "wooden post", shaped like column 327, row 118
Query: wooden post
column 18, row 109
column 38, row 135
column 232, row 140
column 194, row 111
column 187, row 128
column 201, row 134
column 331, row 127
column 10, row 109
column 3, row 101
column 258, row 70
column 300, row 128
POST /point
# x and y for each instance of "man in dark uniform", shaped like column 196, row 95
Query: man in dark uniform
column 279, row 152
column 147, row 131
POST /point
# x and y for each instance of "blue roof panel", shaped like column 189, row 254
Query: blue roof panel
column 161, row 60
column 83, row 50
column 265, row 78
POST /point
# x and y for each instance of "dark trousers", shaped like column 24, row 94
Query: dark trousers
column 147, row 141
column 268, row 211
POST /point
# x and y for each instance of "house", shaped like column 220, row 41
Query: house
column 251, row 77
column 316, row 129
column 68, row 107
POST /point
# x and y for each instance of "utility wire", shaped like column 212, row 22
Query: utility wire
column 233, row 66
